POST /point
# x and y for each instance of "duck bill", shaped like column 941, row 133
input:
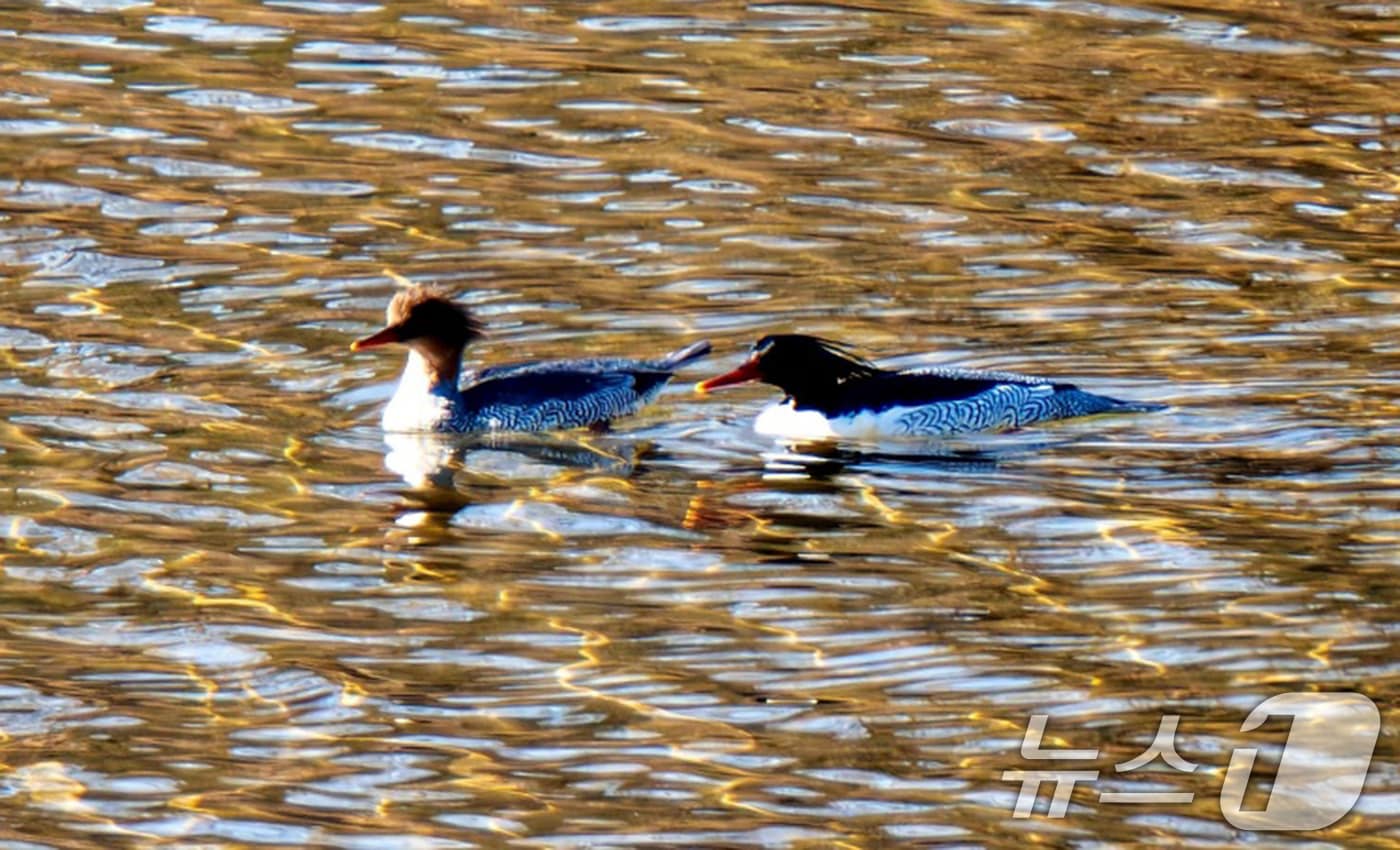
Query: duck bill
column 374, row 340
column 748, row 371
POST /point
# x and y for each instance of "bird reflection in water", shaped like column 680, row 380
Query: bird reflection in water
column 433, row 462
column 823, row 459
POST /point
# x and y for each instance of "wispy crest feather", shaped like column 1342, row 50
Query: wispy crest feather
column 435, row 305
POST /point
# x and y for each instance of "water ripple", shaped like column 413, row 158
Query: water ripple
column 1016, row 131
column 97, row 6
column 461, row 149
column 53, row 127
column 328, row 7
column 359, row 52
column 821, row 134
column 167, row 166
column 1210, row 173
column 212, row 31
column 242, row 101
column 236, row 613
column 326, row 188
column 906, row 212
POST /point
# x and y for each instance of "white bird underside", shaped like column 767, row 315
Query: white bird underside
column 1000, row 408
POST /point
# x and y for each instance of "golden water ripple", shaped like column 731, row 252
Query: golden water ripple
column 233, row 616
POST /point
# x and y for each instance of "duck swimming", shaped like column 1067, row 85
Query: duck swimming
column 833, row 393
column 544, row 395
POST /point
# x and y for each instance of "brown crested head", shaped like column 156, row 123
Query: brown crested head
column 423, row 316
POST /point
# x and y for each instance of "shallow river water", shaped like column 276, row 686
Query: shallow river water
column 231, row 616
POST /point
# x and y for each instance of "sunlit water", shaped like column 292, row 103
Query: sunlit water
column 229, row 620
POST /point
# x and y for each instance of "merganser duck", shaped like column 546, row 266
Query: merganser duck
column 543, row 395
column 833, row 393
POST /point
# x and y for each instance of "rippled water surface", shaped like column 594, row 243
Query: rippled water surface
column 233, row 617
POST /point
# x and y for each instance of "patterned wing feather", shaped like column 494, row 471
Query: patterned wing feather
column 520, row 398
column 1008, row 405
column 884, row 390
column 952, row 373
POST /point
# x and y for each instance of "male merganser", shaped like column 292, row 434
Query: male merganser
column 543, row 395
column 833, row 393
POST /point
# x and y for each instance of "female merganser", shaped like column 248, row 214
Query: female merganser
column 833, row 393
column 537, row 396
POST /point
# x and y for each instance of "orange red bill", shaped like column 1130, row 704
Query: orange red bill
column 747, row 371
column 376, row 339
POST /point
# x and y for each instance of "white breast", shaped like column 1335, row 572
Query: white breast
column 783, row 420
column 417, row 405
column 416, row 412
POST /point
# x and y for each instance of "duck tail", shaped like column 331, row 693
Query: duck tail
column 1079, row 402
column 1139, row 406
column 678, row 358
